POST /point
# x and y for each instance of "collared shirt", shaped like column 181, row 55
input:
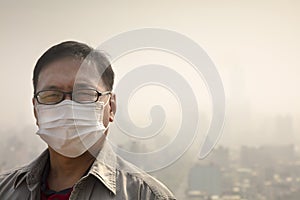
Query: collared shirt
column 110, row 177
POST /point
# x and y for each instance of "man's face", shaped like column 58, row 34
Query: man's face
column 62, row 74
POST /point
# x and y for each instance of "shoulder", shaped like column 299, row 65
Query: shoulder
column 9, row 179
column 13, row 182
column 148, row 186
column 10, row 175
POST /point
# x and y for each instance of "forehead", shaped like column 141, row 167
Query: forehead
column 67, row 74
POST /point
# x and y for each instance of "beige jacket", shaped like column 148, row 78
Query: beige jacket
column 110, row 177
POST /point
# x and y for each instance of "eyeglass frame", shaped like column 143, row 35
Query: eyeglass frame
column 99, row 94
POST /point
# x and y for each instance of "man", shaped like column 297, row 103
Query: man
column 73, row 108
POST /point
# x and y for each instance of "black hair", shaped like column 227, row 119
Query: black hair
column 78, row 51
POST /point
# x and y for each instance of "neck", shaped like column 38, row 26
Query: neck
column 65, row 172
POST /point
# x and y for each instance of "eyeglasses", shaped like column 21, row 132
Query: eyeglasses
column 84, row 96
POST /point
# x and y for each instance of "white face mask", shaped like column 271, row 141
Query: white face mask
column 71, row 128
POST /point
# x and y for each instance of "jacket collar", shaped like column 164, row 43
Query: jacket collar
column 103, row 168
column 32, row 173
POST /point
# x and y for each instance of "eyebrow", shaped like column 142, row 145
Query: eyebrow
column 51, row 87
column 83, row 85
column 76, row 86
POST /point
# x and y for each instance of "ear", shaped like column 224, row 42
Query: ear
column 34, row 111
column 113, row 107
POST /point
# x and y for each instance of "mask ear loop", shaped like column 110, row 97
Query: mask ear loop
column 104, row 104
column 107, row 101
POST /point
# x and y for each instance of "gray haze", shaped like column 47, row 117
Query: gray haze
column 255, row 46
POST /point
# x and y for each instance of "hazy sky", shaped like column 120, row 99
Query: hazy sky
column 254, row 44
